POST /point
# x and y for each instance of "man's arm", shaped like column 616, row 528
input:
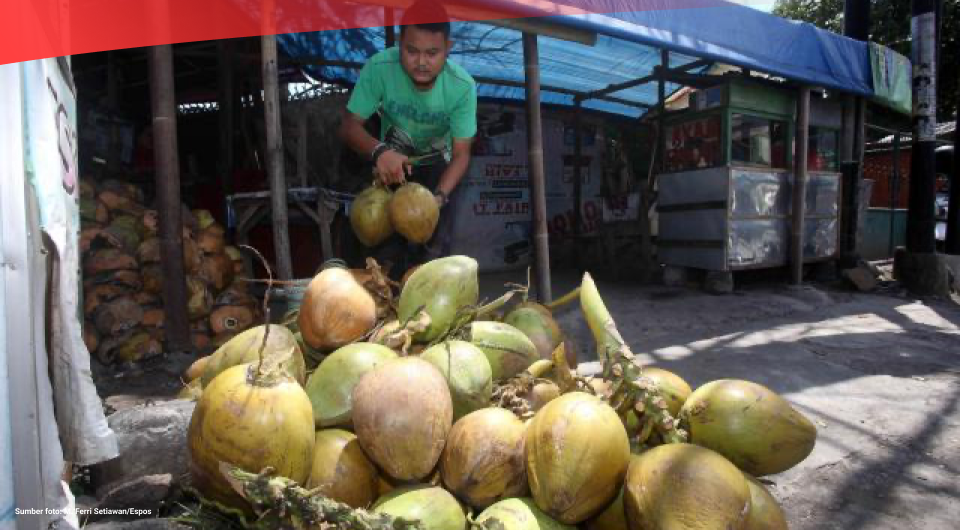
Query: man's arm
column 459, row 161
column 391, row 165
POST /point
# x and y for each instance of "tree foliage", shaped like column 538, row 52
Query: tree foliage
column 890, row 26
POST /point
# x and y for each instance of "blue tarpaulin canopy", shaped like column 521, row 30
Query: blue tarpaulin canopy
column 627, row 48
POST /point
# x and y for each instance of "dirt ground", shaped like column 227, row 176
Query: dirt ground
column 879, row 374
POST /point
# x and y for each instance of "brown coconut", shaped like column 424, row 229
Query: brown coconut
column 217, row 271
column 118, row 315
column 402, row 413
column 336, row 310
column 414, row 212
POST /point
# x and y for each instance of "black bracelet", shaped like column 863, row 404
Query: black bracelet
column 377, row 151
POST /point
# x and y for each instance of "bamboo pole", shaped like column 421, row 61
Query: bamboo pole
column 541, row 242
column 163, row 103
column 275, row 170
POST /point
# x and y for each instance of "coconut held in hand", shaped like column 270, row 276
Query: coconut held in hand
column 414, row 212
column 370, row 215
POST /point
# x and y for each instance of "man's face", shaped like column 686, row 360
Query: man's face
column 422, row 54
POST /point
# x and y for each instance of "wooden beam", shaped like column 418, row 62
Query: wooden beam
column 226, row 98
column 275, row 170
column 163, row 103
column 541, row 241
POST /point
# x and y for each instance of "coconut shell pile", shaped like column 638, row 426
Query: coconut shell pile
column 123, row 282
column 416, row 406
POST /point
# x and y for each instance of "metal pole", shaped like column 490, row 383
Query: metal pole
column 275, row 170
column 577, row 176
column 800, row 186
column 226, row 98
column 953, row 207
column 541, row 243
column 921, row 217
column 894, row 191
column 163, row 103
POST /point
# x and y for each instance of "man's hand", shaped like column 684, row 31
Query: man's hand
column 393, row 167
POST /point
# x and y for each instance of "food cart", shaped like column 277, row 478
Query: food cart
column 725, row 193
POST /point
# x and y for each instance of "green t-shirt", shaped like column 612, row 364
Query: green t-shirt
column 416, row 122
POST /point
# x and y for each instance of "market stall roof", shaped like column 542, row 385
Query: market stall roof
column 627, row 48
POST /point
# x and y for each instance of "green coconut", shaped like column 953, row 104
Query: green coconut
column 577, row 455
column 467, row 372
column 537, row 323
column 370, row 216
column 484, row 461
column 434, row 508
column 444, row 288
column 765, row 513
column 751, row 425
column 672, row 387
column 245, row 347
column 331, row 385
column 684, row 487
column 341, row 470
column 402, row 413
column 518, row 514
column 507, row 348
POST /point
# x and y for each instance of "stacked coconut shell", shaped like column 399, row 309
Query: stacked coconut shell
column 123, row 280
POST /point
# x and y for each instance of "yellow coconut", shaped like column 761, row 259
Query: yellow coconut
column 402, row 413
column 370, row 215
column 765, row 512
column 577, row 455
column 750, row 425
column 245, row 348
column 250, row 420
column 672, row 387
column 483, row 461
column 342, row 471
column 684, row 487
column 414, row 212
column 336, row 310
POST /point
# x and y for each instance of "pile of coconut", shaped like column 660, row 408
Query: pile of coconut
column 382, row 405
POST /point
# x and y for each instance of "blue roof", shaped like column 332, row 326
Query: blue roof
column 627, row 48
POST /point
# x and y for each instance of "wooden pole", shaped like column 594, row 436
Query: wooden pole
column 275, row 170
column 577, row 168
column 390, row 27
column 302, row 148
column 800, row 186
column 921, row 217
column 541, row 242
column 163, row 103
column 226, row 113
column 953, row 207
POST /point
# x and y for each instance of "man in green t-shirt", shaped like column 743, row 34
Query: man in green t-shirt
column 428, row 114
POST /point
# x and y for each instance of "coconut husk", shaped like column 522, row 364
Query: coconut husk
column 150, row 220
column 149, row 251
column 88, row 235
column 199, row 299
column 129, row 279
column 153, row 317
column 236, row 295
column 192, row 257
column 200, row 341
column 123, row 188
column 99, row 295
column 232, row 318
column 217, row 271
column 123, row 233
column 117, row 202
column 239, row 264
column 152, row 279
column 90, row 336
column 204, row 219
column 212, row 239
column 221, row 339
column 138, row 346
column 118, row 315
column 108, row 259
column 87, row 189
column 147, row 299
column 93, row 211
column 200, row 326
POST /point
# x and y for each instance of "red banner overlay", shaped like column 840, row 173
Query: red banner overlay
column 36, row 29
